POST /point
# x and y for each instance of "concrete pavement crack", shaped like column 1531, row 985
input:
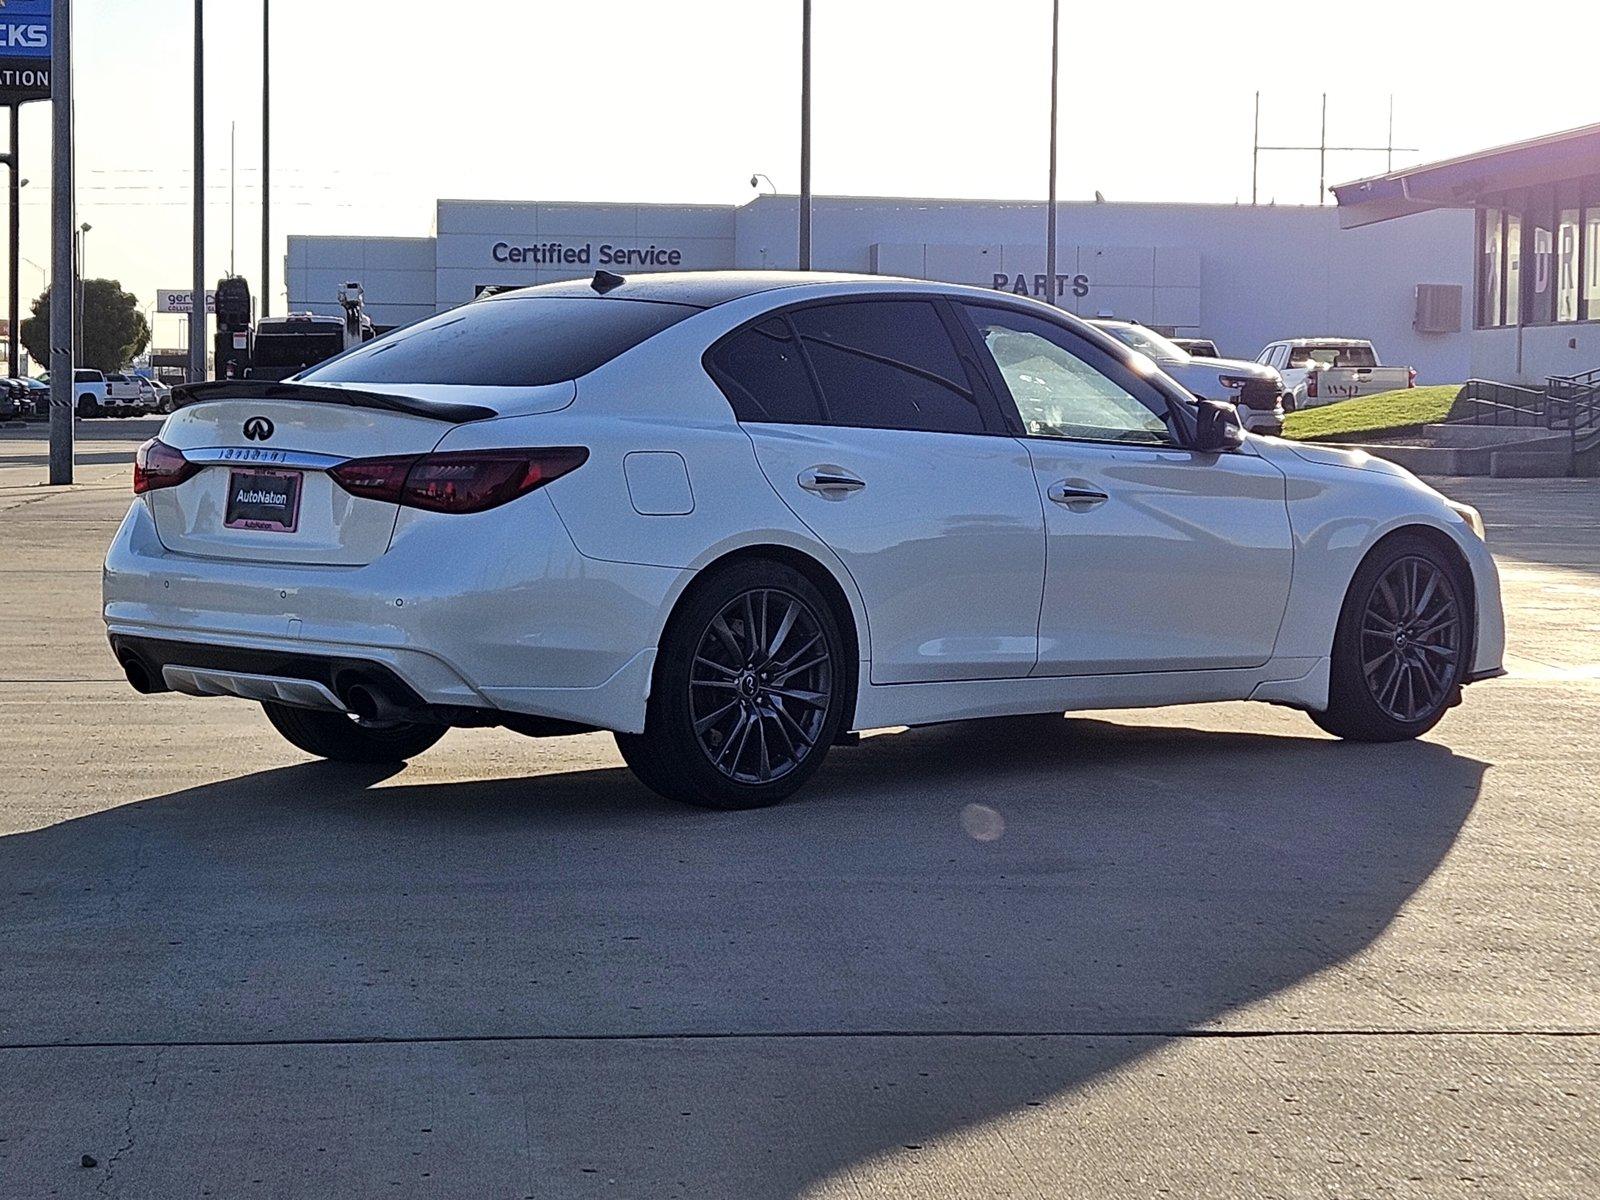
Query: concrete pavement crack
column 103, row 1187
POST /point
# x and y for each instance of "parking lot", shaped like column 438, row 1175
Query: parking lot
column 1191, row 952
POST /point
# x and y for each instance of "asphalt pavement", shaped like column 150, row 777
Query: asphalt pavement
column 1197, row 952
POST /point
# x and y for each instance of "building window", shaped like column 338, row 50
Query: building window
column 1513, row 284
column 1568, row 252
column 1490, row 245
column 1590, row 266
column 1540, row 275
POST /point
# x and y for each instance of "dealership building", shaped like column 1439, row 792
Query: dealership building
column 1535, row 308
column 1242, row 275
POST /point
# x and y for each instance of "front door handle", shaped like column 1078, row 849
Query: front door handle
column 830, row 482
column 1075, row 495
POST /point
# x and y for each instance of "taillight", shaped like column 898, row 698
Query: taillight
column 1311, row 384
column 158, row 465
column 1411, row 377
column 457, row 481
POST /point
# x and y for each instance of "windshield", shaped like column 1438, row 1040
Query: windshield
column 1148, row 343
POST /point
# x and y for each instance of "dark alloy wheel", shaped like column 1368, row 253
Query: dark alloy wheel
column 1411, row 639
column 748, row 693
column 1400, row 652
column 759, row 686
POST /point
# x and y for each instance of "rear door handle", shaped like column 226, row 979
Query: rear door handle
column 1075, row 496
column 830, row 482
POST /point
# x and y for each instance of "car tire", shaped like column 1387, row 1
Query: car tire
column 1399, row 652
column 344, row 738
column 749, row 691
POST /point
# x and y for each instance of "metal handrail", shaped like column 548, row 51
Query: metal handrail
column 1573, row 404
column 1497, row 403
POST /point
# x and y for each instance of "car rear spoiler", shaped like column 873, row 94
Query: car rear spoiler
column 312, row 393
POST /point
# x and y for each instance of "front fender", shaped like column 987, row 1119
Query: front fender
column 1340, row 506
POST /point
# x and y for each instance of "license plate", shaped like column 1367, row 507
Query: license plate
column 266, row 500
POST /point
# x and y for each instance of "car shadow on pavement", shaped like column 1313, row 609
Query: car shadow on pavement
column 593, row 984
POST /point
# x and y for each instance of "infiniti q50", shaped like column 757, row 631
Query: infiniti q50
column 733, row 517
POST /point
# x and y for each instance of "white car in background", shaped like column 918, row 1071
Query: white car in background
column 1321, row 371
column 1257, row 391
column 731, row 516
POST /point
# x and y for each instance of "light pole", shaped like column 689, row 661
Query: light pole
column 805, row 135
column 266, row 153
column 1050, row 218
column 78, row 277
column 197, row 304
column 61, row 264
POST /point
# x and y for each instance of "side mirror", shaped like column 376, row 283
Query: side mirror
column 1217, row 427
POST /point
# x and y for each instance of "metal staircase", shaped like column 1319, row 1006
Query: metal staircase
column 1567, row 404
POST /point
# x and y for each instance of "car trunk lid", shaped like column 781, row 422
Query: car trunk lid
column 263, row 492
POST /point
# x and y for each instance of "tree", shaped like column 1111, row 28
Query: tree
column 114, row 330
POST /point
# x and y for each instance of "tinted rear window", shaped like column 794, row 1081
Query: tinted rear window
column 1333, row 356
column 515, row 342
column 760, row 371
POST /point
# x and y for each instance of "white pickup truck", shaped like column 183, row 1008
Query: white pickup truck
column 1321, row 371
column 123, row 397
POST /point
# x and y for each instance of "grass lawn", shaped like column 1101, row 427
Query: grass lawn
column 1373, row 414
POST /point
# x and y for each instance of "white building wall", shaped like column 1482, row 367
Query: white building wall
column 477, row 238
column 1532, row 354
column 1264, row 272
column 396, row 275
column 1241, row 275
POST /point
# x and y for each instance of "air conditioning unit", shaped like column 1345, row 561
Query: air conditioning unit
column 1438, row 308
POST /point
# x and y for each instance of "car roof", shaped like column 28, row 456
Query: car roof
column 702, row 289
column 1323, row 341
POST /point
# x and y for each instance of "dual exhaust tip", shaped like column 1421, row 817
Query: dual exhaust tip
column 361, row 697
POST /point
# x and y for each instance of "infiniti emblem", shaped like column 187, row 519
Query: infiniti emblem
column 258, row 429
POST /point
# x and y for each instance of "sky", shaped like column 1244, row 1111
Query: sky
column 380, row 108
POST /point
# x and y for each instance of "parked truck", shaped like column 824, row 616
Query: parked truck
column 286, row 345
column 1324, row 370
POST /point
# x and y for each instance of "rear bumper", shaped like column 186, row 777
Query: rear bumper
column 494, row 611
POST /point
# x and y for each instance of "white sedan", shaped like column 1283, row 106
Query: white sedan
column 734, row 516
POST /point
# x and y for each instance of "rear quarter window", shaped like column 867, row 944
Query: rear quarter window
column 517, row 341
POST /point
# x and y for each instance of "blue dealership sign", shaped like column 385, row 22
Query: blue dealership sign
column 24, row 50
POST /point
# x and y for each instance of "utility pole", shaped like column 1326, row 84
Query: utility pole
column 61, row 230
column 233, row 192
column 1050, row 218
column 197, row 303
column 266, row 153
column 805, row 135
column 1322, row 158
column 13, row 346
column 1255, row 152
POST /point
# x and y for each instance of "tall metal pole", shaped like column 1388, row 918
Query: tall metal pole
column 1389, row 163
column 62, row 268
column 1322, row 155
column 233, row 192
column 197, row 305
column 1050, row 217
column 266, row 153
column 13, row 346
column 805, row 135
column 1255, row 151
